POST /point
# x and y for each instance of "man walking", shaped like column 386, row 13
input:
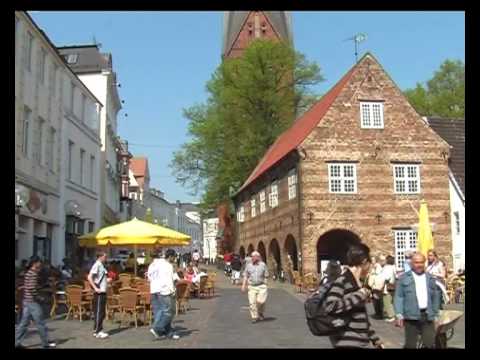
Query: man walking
column 162, row 289
column 32, row 309
column 417, row 304
column 98, row 279
column 256, row 274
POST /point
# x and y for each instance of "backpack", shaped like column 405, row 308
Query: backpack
column 319, row 322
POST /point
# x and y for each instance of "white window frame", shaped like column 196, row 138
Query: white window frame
column 51, row 150
column 241, row 214
column 292, row 184
column 82, row 166
column 27, row 114
column 263, row 206
column 72, row 98
column 82, row 110
column 370, row 106
column 92, row 172
column 253, row 207
column 273, row 195
column 71, row 146
column 29, row 51
column 43, row 61
column 342, row 178
column 406, row 179
column 456, row 215
column 40, row 150
column 406, row 239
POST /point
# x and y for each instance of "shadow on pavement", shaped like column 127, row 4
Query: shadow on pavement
column 118, row 330
column 182, row 331
column 269, row 318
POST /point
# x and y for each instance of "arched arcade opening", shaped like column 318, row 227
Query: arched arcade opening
column 333, row 245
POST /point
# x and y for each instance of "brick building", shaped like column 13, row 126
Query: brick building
column 352, row 168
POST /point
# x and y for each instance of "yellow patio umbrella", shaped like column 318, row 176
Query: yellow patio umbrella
column 425, row 238
column 136, row 233
column 89, row 240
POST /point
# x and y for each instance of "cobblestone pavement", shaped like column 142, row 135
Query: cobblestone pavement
column 222, row 321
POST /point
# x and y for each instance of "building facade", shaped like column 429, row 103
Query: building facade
column 95, row 69
column 52, row 108
column 353, row 168
column 453, row 132
column 210, row 231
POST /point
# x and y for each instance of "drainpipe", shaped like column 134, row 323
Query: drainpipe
column 300, row 221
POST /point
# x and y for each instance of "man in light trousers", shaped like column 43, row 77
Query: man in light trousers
column 256, row 275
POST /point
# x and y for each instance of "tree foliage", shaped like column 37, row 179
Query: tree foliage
column 252, row 100
column 444, row 94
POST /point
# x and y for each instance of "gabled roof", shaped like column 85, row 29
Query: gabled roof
column 453, row 132
column 233, row 22
column 299, row 131
column 139, row 166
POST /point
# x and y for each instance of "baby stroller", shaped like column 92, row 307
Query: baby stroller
column 446, row 328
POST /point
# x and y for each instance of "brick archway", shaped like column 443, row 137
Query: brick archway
column 274, row 252
column 334, row 244
column 290, row 249
column 262, row 251
column 250, row 249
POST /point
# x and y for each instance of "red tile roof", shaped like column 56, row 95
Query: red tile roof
column 298, row 132
column 139, row 166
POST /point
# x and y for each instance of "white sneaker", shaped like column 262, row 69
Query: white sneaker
column 154, row 333
column 175, row 337
column 102, row 335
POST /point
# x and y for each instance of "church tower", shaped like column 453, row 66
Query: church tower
column 242, row 27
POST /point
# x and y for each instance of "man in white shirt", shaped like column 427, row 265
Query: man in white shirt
column 98, row 280
column 417, row 304
column 162, row 279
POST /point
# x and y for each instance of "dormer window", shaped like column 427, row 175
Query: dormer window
column 72, row 58
column 371, row 115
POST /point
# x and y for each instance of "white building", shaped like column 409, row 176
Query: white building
column 48, row 117
column 453, row 132
column 95, row 69
column 210, row 231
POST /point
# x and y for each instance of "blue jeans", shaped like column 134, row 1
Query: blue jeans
column 32, row 310
column 163, row 309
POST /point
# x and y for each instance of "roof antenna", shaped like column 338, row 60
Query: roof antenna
column 94, row 40
column 358, row 38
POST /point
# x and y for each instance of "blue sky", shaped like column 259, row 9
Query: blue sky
column 164, row 59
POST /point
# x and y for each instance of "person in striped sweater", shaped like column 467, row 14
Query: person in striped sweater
column 347, row 299
column 31, row 308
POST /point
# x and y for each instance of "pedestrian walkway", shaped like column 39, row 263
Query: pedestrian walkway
column 222, row 321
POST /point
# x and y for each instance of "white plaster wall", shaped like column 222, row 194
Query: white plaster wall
column 458, row 240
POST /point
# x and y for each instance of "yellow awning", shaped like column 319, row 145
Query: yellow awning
column 425, row 238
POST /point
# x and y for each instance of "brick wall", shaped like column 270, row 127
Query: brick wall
column 247, row 34
column 405, row 137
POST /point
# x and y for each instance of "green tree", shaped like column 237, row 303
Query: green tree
column 444, row 94
column 252, row 100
